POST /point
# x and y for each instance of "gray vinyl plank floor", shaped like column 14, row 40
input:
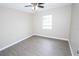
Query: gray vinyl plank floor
column 38, row 46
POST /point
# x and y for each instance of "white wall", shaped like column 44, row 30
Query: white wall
column 14, row 26
column 61, row 23
column 74, row 32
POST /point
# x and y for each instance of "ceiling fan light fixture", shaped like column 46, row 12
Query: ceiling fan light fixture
column 35, row 8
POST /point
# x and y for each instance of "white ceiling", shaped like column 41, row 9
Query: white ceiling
column 20, row 6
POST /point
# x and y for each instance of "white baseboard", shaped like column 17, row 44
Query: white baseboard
column 7, row 46
column 70, row 48
column 53, row 37
column 61, row 39
column 37, row 35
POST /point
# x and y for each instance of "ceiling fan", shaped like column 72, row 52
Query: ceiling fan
column 35, row 5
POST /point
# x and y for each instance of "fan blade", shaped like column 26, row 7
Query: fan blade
column 40, row 3
column 28, row 6
column 41, row 6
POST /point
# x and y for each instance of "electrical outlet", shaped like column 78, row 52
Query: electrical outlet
column 77, row 51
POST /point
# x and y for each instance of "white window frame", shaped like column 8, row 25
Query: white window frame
column 47, row 22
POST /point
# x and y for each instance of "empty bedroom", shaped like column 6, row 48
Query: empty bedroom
column 39, row 29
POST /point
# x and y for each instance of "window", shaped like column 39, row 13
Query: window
column 47, row 22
